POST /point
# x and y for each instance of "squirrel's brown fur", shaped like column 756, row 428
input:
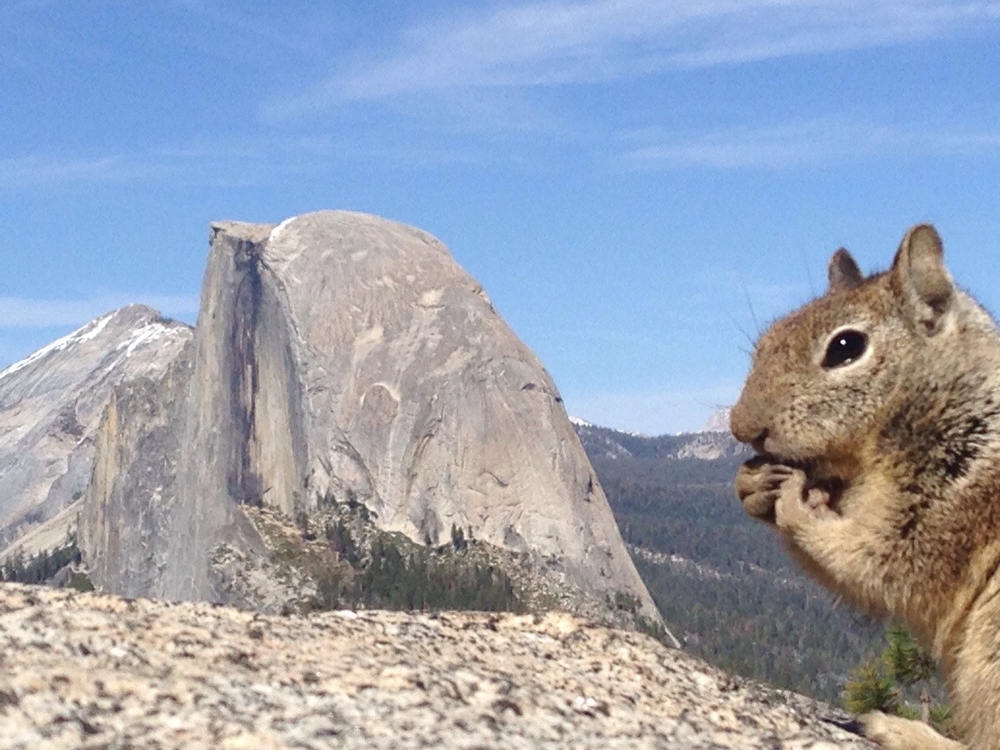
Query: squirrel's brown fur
column 875, row 413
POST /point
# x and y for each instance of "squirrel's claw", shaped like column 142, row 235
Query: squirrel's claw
column 758, row 486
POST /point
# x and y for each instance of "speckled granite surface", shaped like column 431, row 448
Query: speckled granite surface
column 91, row 671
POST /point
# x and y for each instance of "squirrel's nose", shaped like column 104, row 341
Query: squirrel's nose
column 743, row 425
column 748, row 426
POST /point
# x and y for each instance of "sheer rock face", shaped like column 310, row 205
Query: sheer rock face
column 340, row 356
column 146, row 529
column 51, row 404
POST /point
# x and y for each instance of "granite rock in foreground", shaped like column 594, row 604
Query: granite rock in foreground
column 86, row 670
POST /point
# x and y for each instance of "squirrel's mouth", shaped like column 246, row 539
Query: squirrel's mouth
column 771, row 448
column 810, row 466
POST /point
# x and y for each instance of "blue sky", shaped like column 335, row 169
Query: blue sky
column 639, row 185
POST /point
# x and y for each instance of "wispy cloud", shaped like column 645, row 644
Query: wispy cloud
column 581, row 42
column 248, row 161
column 236, row 160
column 55, row 169
column 225, row 164
column 800, row 143
column 39, row 169
column 22, row 312
column 259, row 160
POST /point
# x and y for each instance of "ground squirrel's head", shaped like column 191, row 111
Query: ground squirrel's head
column 824, row 375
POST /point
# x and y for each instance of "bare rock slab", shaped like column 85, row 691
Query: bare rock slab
column 89, row 671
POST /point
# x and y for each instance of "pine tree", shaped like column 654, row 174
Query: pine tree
column 880, row 683
column 871, row 689
column 907, row 661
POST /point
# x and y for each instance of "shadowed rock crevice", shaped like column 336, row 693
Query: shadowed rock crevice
column 245, row 484
column 268, row 465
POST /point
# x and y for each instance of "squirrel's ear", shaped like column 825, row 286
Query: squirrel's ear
column 919, row 274
column 843, row 272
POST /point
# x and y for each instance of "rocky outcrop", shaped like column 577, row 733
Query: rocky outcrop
column 82, row 670
column 719, row 421
column 709, row 446
column 51, row 404
column 342, row 358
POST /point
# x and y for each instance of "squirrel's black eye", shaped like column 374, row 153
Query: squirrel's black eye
column 844, row 348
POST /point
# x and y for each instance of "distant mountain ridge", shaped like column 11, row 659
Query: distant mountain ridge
column 713, row 442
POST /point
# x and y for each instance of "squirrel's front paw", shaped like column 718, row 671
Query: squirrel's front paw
column 798, row 505
column 758, row 486
column 897, row 733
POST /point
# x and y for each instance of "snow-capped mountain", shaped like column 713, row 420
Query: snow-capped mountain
column 52, row 400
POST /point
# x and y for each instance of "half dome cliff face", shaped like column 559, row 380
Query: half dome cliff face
column 340, row 357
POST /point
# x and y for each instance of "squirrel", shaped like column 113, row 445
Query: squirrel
column 874, row 413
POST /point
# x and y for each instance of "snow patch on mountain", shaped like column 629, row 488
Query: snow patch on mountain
column 90, row 331
column 147, row 334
